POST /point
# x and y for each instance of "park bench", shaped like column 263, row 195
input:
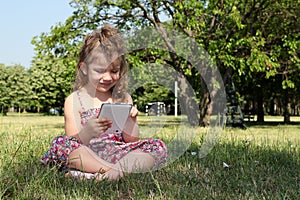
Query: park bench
column 249, row 115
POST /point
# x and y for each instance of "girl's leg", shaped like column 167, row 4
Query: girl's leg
column 135, row 161
column 86, row 160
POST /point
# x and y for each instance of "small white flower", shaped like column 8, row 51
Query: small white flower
column 193, row 153
column 225, row 165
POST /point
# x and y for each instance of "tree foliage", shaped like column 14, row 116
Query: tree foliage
column 15, row 90
column 255, row 42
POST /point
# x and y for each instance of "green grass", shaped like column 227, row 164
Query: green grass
column 264, row 163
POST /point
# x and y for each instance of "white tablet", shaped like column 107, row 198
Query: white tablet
column 118, row 113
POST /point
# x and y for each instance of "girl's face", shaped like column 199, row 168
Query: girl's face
column 102, row 74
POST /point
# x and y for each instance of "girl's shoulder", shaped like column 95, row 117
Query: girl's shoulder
column 128, row 98
column 71, row 100
column 72, row 97
column 76, row 99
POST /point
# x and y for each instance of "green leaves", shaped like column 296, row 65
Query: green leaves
column 287, row 84
column 15, row 90
column 254, row 42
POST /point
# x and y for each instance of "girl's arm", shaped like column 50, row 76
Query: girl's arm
column 72, row 117
column 94, row 127
column 131, row 131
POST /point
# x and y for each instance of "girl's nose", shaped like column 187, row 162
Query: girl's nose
column 106, row 76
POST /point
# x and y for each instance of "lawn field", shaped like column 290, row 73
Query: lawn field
column 260, row 162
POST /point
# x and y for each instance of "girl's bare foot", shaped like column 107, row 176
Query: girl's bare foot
column 112, row 175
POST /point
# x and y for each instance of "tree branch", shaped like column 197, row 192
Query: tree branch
column 168, row 8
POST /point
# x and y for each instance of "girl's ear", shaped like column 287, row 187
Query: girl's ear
column 83, row 68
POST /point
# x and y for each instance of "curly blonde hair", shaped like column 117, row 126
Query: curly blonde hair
column 109, row 42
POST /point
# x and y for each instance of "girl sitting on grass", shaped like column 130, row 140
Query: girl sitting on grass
column 87, row 150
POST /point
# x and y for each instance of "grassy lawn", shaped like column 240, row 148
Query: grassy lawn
column 260, row 162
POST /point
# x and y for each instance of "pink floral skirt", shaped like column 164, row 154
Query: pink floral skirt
column 109, row 147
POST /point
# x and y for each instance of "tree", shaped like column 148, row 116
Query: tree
column 14, row 88
column 138, row 14
column 244, row 39
column 250, row 40
column 50, row 83
column 54, row 65
column 274, row 27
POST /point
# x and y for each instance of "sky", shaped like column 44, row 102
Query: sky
column 21, row 20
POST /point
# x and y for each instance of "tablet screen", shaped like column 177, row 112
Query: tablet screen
column 118, row 113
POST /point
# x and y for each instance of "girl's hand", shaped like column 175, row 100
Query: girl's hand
column 94, row 127
column 134, row 112
column 131, row 131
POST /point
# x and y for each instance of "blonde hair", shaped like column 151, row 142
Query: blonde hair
column 109, row 42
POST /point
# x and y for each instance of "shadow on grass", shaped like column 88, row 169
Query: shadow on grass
column 242, row 170
column 33, row 181
column 270, row 123
column 253, row 172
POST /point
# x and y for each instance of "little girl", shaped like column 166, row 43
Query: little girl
column 86, row 149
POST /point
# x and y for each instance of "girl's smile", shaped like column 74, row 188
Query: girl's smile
column 106, row 85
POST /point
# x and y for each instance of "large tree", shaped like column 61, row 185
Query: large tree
column 250, row 40
column 244, row 39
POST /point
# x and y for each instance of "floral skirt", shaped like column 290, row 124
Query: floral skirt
column 109, row 147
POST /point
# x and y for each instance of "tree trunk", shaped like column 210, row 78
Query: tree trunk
column 271, row 106
column 213, row 97
column 205, row 110
column 4, row 110
column 187, row 100
column 260, row 107
column 286, row 108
